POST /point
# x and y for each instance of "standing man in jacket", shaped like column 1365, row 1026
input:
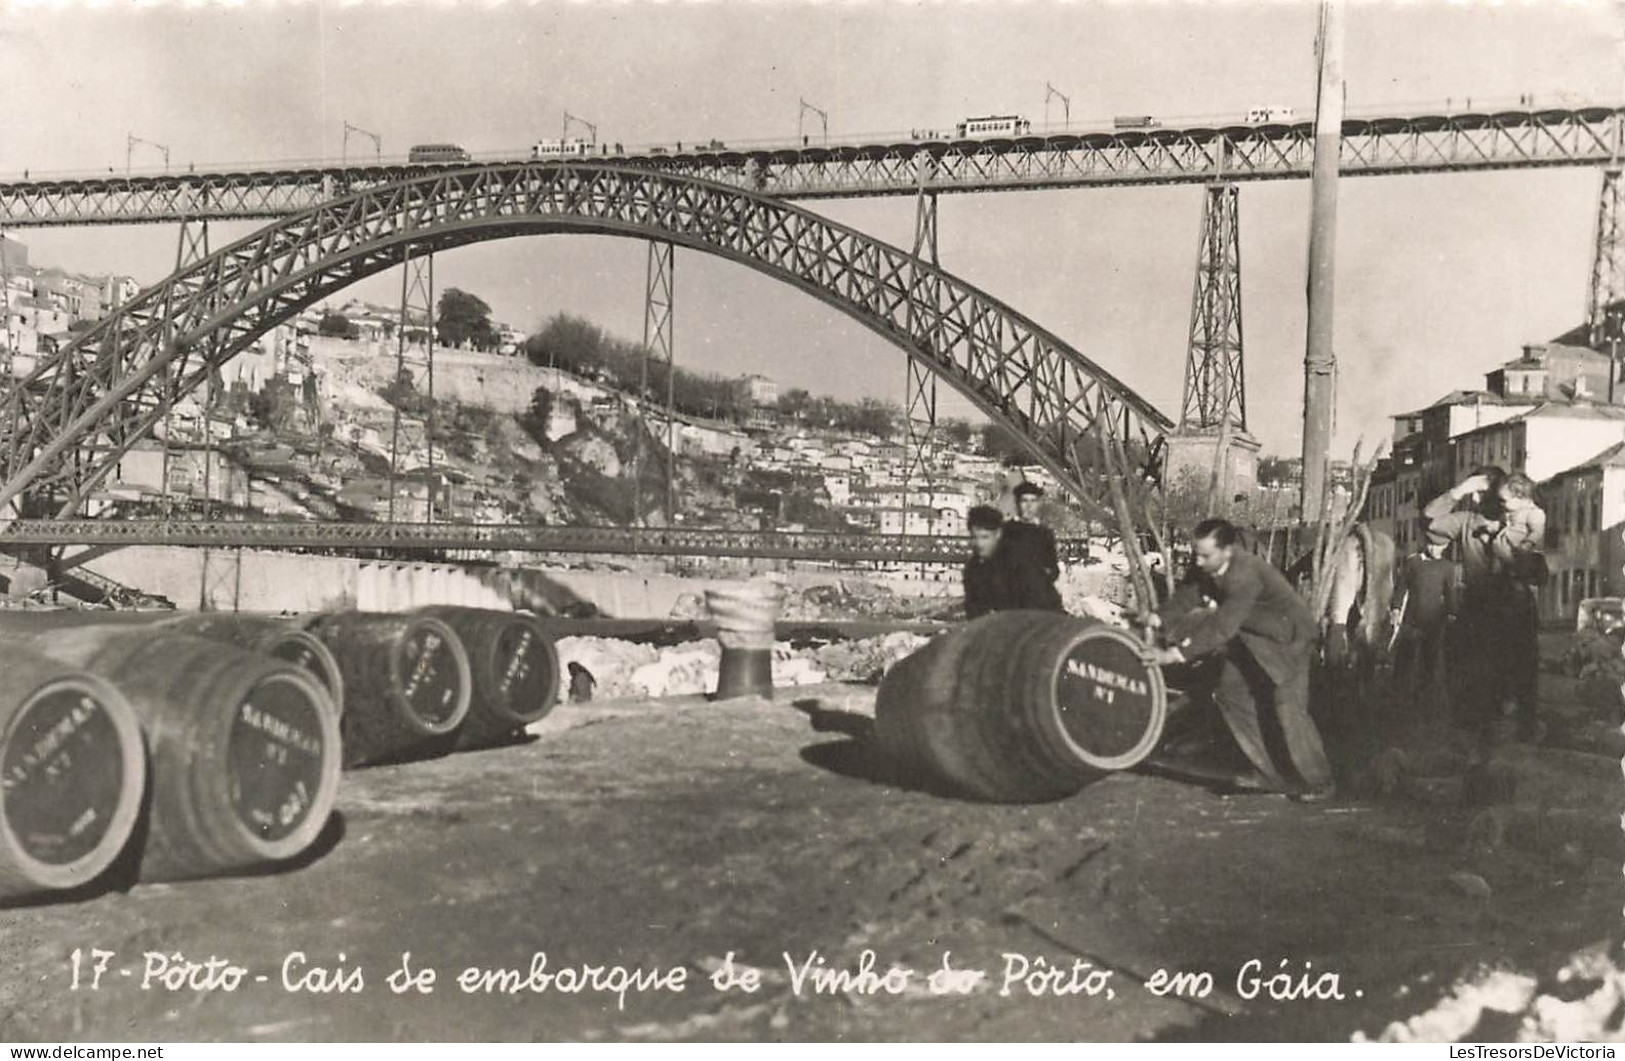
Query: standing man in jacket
column 1027, row 532
column 1241, row 617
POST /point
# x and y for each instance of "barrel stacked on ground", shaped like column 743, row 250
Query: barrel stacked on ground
column 152, row 746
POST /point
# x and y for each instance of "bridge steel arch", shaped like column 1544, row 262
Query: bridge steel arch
column 65, row 425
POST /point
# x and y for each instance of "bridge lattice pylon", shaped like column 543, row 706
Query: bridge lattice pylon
column 417, row 313
column 920, row 383
column 1214, row 393
column 659, row 346
column 1607, row 287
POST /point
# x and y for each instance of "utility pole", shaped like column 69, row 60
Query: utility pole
column 564, row 133
column 1050, row 91
column 132, row 141
column 1320, row 357
column 356, row 130
column 823, row 122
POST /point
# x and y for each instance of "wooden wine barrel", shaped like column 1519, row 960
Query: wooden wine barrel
column 277, row 636
column 514, row 669
column 73, row 772
column 1020, row 707
column 244, row 748
column 407, row 683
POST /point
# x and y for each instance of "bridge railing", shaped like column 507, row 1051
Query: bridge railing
column 501, row 537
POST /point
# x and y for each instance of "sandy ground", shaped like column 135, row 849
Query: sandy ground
column 663, row 836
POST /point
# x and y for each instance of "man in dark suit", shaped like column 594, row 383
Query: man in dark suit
column 1253, row 635
column 1027, row 534
column 997, row 577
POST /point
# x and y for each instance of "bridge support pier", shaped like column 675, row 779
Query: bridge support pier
column 659, row 344
column 1605, row 297
column 417, row 311
column 1211, row 452
column 191, row 247
column 221, row 587
column 920, row 383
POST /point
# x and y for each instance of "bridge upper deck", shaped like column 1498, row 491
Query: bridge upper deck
column 1420, row 143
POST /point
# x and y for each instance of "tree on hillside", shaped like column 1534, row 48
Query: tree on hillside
column 275, row 404
column 464, row 318
column 534, row 420
column 793, row 402
column 956, row 432
column 1002, row 444
column 336, row 325
column 404, row 394
column 571, row 343
column 870, row 416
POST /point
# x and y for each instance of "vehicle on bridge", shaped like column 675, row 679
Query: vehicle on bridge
column 1134, row 121
column 576, row 148
column 993, row 125
column 438, row 154
column 1267, row 115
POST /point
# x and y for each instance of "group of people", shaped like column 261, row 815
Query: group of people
column 1465, row 617
column 1013, row 563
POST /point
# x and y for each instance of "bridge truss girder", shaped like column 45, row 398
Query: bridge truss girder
column 64, row 426
column 230, row 536
column 1370, row 147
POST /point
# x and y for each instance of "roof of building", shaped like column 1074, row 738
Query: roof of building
column 1574, row 411
column 1460, row 397
column 1563, row 410
column 1612, row 457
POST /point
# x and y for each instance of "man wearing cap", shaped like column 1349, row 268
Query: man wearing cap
column 1027, row 533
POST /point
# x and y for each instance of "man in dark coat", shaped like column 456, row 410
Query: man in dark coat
column 1027, row 533
column 998, row 578
column 1254, row 637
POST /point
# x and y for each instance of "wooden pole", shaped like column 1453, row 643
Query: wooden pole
column 1320, row 358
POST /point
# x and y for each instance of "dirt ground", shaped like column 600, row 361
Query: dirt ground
column 664, row 836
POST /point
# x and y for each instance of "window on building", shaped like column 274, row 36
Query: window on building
column 1596, row 512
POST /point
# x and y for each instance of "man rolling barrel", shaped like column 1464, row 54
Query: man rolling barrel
column 1251, row 636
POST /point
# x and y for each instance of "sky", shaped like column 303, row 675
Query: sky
column 1439, row 278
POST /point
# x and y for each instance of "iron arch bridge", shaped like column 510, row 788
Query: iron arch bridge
column 64, row 426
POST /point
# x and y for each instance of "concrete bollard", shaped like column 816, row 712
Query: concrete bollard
column 744, row 615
